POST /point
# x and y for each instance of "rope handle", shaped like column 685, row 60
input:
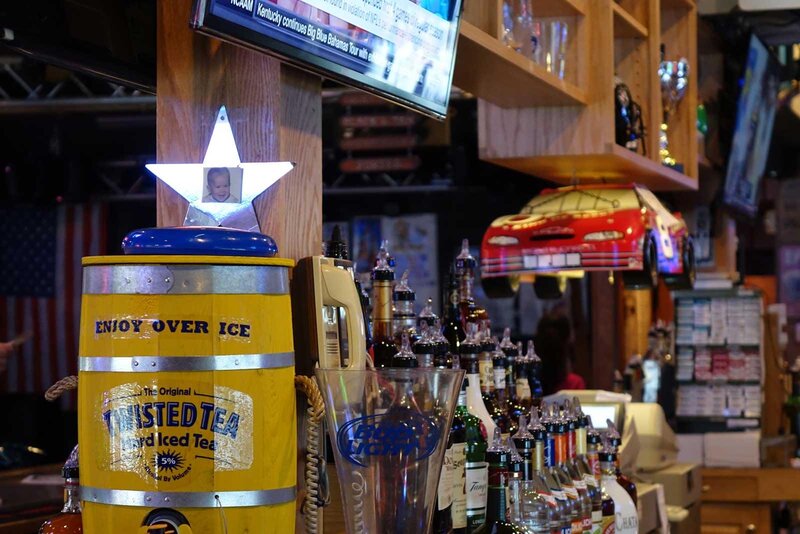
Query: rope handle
column 67, row 383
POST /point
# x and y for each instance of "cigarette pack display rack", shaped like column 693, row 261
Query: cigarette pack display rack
column 719, row 358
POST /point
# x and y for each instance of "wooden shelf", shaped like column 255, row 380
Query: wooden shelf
column 615, row 164
column 626, row 25
column 559, row 8
column 490, row 70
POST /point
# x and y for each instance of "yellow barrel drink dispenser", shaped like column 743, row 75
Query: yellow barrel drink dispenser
column 186, row 392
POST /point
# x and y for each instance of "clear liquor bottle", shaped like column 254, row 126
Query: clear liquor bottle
column 543, row 460
column 496, row 521
column 538, row 510
column 513, row 407
column 577, row 477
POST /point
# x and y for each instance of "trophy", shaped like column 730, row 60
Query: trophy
column 674, row 77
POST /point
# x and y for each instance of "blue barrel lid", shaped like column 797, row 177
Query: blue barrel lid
column 199, row 240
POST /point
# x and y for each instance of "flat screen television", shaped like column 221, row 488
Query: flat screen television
column 755, row 115
column 401, row 50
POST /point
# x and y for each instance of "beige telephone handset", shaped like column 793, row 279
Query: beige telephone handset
column 341, row 332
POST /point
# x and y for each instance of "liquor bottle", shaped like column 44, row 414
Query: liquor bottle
column 536, row 512
column 534, row 375
column 499, row 368
column 470, row 351
column 486, row 369
column 443, row 513
column 426, row 315
column 383, row 346
column 465, row 265
column 594, row 444
column 582, row 465
column 567, row 415
column 405, row 357
column 442, row 357
column 452, row 328
column 513, row 408
column 556, row 428
column 615, row 441
column 69, row 520
column 609, row 521
column 522, row 386
column 496, row 521
column 424, row 347
column 476, row 477
column 549, row 486
column 514, row 481
column 403, row 317
column 510, row 350
column 466, row 429
column 627, row 517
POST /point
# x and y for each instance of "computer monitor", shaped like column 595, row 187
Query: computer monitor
column 600, row 405
column 602, row 412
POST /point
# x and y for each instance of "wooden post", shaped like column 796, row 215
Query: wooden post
column 603, row 297
column 637, row 311
column 275, row 112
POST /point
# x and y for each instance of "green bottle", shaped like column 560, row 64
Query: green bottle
column 469, row 448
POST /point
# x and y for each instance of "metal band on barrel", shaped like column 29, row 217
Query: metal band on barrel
column 187, row 499
column 151, row 364
column 185, row 279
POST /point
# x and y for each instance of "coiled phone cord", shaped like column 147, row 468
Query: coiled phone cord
column 315, row 497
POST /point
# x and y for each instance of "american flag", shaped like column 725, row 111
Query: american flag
column 40, row 288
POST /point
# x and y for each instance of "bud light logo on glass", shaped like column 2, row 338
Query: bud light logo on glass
column 412, row 436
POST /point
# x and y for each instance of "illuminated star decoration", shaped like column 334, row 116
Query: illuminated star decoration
column 189, row 181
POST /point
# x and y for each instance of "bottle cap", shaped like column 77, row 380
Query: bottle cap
column 383, row 270
column 402, row 292
column 335, row 247
column 465, row 260
column 497, row 454
column 405, row 358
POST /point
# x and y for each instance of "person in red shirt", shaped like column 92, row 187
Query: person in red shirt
column 554, row 345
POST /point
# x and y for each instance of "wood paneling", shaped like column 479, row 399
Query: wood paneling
column 275, row 112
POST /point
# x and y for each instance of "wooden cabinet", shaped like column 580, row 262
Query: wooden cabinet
column 533, row 121
column 735, row 519
column 740, row 500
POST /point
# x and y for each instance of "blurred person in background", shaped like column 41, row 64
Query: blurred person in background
column 554, row 344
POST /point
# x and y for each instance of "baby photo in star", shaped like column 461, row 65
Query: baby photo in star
column 222, row 185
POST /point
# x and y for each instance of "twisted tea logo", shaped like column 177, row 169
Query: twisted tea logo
column 412, row 435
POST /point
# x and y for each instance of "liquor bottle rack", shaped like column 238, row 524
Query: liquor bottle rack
column 532, row 121
column 719, row 359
